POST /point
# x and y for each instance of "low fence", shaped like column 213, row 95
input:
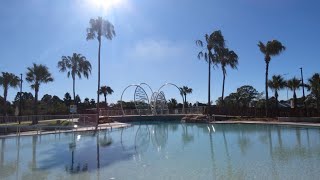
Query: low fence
column 140, row 112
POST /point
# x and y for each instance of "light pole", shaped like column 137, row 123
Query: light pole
column 20, row 97
column 304, row 97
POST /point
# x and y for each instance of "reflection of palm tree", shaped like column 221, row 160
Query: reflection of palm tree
column 279, row 136
column 186, row 137
column 227, row 153
column 212, row 154
column 34, row 152
column 6, row 169
column 244, row 142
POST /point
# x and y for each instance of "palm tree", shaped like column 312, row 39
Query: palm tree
column 184, row 91
column 105, row 90
column 294, row 84
column 272, row 48
column 75, row 65
column 99, row 28
column 225, row 58
column 314, row 87
column 36, row 75
column 213, row 42
column 276, row 84
column 8, row 80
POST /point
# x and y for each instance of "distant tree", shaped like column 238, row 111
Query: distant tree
column 172, row 104
column 75, row 65
column 184, row 91
column 86, row 101
column 212, row 43
column 27, row 100
column 77, row 100
column 294, row 84
column 8, row 80
column 105, row 90
column 36, row 75
column 100, row 28
column 92, row 102
column 276, row 84
column 314, row 87
column 241, row 98
column 272, row 48
column 225, row 58
column 67, row 99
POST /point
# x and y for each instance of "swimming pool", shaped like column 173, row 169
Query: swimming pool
column 163, row 150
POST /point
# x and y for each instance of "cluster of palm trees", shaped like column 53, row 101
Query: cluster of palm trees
column 76, row 65
column 277, row 83
column 216, row 53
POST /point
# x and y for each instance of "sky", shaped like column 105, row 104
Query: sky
column 155, row 43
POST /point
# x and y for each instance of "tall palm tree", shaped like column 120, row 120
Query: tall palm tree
column 100, row 28
column 37, row 75
column 8, row 80
column 213, row 42
column 314, row 87
column 226, row 57
column 272, row 48
column 105, row 90
column 276, row 84
column 75, row 65
column 184, row 91
column 294, row 84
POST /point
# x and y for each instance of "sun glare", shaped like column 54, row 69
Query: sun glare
column 106, row 4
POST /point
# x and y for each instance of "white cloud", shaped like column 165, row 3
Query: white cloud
column 157, row 50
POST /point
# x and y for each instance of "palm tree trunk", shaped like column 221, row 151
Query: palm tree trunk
column 185, row 100
column 318, row 103
column 74, row 90
column 209, row 78
column 98, row 98
column 223, row 81
column 294, row 99
column 105, row 98
column 35, row 120
column 5, row 94
column 277, row 103
column 266, row 84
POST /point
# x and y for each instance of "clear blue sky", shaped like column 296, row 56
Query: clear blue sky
column 155, row 42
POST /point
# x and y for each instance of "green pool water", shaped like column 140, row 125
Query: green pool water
column 162, row 150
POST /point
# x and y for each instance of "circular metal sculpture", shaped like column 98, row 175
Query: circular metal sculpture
column 157, row 102
column 141, row 99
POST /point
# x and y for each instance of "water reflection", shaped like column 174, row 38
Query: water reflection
column 227, row 151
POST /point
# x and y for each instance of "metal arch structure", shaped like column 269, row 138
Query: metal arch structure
column 148, row 86
column 166, row 84
column 141, row 99
column 136, row 85
column 158, row 102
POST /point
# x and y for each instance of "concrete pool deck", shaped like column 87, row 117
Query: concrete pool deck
column 268, row 123
column 114, row 125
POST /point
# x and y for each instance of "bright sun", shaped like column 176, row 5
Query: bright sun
column 106, row 4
